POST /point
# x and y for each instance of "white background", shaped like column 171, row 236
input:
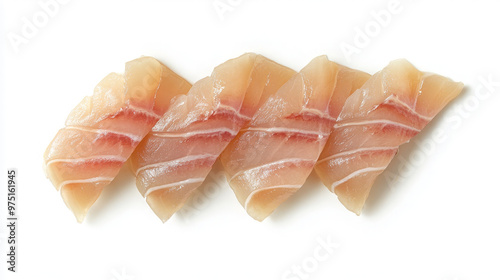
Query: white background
column 439, row 219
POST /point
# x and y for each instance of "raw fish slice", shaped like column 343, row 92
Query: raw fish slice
column 177, row 155
column 102, row 131
column 390, row 109
column 272, row 157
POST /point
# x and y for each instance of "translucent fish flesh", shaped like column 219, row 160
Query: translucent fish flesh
column 390, row 109
column 103, row 130
column 271, row 157
column 177, row 155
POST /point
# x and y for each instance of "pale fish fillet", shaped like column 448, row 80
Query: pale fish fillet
column 102, row 131
column 390, row 109
column 270, row 158
column 177, row 155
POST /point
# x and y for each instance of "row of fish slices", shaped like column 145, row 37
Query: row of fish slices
column 251, row 105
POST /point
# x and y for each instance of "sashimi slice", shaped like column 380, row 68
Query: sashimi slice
column 177, row 155
column 102, row 131
column 270, row 158
column 390, row 109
